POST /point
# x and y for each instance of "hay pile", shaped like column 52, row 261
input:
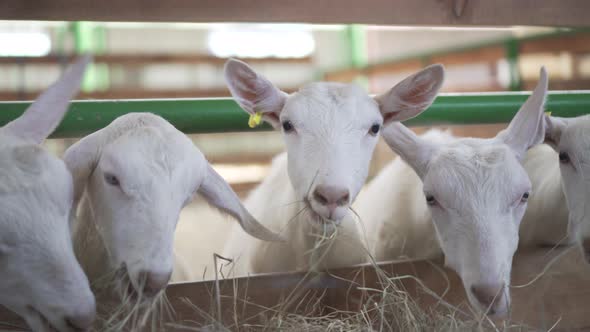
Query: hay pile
column 386, row 308
column 121, row 308
column 389, row 308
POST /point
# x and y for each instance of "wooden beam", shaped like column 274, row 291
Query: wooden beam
column 345, row 76
column 147, row 59
column 394, row 67
column 574, row 84
column 130, row 94
column 485, row 54
column 559, row 295
column 576, row 43
column 489, row 87
column 390, row 12
column 125, row 94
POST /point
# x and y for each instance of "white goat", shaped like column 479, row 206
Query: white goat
column 131, row 180
column 330, row 131
column 40, row 278
column 560, row 173
column 473, row 191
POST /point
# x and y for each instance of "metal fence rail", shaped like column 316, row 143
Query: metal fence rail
column 224, row 115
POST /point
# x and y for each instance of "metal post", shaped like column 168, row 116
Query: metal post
column 357, row 42
column 511, row 47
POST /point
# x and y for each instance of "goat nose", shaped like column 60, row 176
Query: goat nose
column 328, row 195
column 154, row 281
column 81, row 321
column 490, row 296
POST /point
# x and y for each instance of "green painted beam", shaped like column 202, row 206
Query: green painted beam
column 488, row 108
column 224, row 115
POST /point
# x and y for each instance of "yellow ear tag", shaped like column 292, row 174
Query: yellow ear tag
column 548, row 113
column 255, row 119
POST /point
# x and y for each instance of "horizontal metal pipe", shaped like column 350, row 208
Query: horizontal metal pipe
column 224, row 115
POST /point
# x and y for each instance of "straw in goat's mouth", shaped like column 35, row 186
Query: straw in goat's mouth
column 44, row 321
column 127, row 308
column 315, row 218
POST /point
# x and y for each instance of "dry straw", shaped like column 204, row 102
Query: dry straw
column 386, row 308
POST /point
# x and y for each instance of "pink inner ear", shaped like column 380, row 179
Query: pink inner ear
column 248, row 89
column 272, row 117
column 256, row 93
column 550, row 139
column 418, row 91
column 389, row 116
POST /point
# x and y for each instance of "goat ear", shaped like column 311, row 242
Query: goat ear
column 554, row 127
column 81, row 160
column 411, row 96
column 409, row 146
column 219, row 194
column 44, row 115
column 527, row 129
column 253, row 92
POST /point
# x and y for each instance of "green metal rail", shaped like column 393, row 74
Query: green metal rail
column 224, row 115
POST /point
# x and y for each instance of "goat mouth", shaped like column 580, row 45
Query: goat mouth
column 133, row 294
column 317, row 219
column 494, row 313
column 45, row 323
column 130, row 291
column 124, row 285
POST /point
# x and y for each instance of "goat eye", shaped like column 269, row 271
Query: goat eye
column 111, row 179
column 525, row 197
column 430, row 200
column 374, row 129
column 564, row 158
column 287, row 126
